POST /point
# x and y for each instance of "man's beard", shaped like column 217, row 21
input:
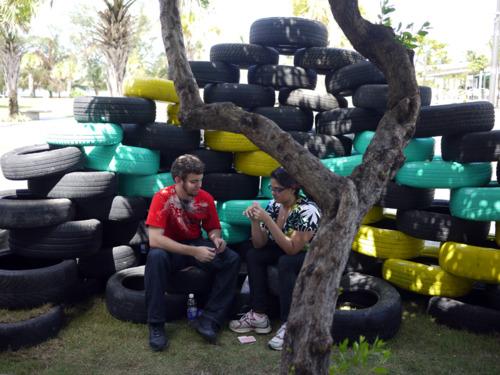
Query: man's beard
column 190, row 192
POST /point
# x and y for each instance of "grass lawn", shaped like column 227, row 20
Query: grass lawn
column 93, row 342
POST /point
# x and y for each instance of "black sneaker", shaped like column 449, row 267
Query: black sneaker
column 207, row 329
column 157, row 338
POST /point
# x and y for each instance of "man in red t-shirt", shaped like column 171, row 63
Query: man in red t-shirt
column 175, row 218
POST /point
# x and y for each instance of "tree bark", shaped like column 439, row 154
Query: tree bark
column 343, row 200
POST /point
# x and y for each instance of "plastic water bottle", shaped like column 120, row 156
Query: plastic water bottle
column 192, row 310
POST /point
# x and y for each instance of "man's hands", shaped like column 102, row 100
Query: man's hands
column 204, row 254
column 220, row 244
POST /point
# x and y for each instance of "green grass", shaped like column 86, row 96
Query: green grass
column 93, row 342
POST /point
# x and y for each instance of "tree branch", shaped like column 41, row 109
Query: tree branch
column 264, row 133
column 384, row 156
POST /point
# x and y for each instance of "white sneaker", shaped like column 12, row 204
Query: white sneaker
column 250, row 322
column 276, row 342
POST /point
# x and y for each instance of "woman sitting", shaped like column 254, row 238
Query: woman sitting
column 280, row 235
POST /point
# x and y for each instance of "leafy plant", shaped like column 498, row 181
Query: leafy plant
column 404, row 34
column 363, row 356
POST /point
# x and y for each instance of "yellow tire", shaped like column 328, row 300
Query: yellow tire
column 172, row 114
column 431, row 251
column 255, row 163
column 151, row 88
column 386, row 243
column 225, row 141
column 472, row 262
column 375, row 214
column 423, row 279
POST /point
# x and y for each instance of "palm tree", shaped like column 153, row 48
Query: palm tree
column 114, row 38
column 15, row 18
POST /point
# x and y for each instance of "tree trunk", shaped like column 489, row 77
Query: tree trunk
column 116, row 69
column 10, row 59
column 343, row 201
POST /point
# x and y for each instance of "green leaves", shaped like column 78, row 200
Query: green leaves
column 364, row 356
column 403, row 34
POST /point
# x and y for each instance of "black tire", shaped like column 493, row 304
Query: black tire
column 288, row 118
column 243, row 55
column 229, row 186
column 310, row 100
column 347, row 79
column 493, row 296
column 346, row 121
column 365, row 264
column 68, row 240
column 160, row 136
column 323, row 146
column 75, row 185
column 288, row 34
column 215, row 161
column 378, row 309
column 28, row 283
column 118, row 208
column 376, row 96
column 243, row 95
column 116, row 233
column 461, row 315
column 282, row 76
column 117, row 110
column 405, row 197
column 26, row 333
column 4, row 239
column 126, row 298
column 16, row 212
column 471, row 147
column 436, row 224
column 206, row 72
column 323, row 60
column 456, row 118
column 107, row 261
column 40, row 160
column 141, row 236
column 167, row 157
column 191, row 280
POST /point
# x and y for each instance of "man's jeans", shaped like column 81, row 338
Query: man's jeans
column 161, row 265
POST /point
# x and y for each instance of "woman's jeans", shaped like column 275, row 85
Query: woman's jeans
column 288, row 269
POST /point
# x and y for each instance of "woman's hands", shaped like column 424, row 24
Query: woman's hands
column 256, row 213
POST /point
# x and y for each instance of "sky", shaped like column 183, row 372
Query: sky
column 462, row 25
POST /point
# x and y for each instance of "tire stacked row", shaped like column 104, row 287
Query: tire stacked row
column 465, row 256
column 297, row 103
column 37, row 265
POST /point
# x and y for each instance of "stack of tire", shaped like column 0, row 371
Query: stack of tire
column 298, row 103
column 234, row 189
column 465, row 256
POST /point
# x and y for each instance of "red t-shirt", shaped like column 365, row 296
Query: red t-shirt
column 182, row 221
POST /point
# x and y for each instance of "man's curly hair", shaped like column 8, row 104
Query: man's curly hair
column 186, row 164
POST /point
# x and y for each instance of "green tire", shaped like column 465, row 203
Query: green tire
column 439, row 174
column 85, row 134
column 343, row 166
column 418, row 149
column 481, row 204
column 143, row 186
column 122, row 159
column 231, row 212
column 265, row 190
